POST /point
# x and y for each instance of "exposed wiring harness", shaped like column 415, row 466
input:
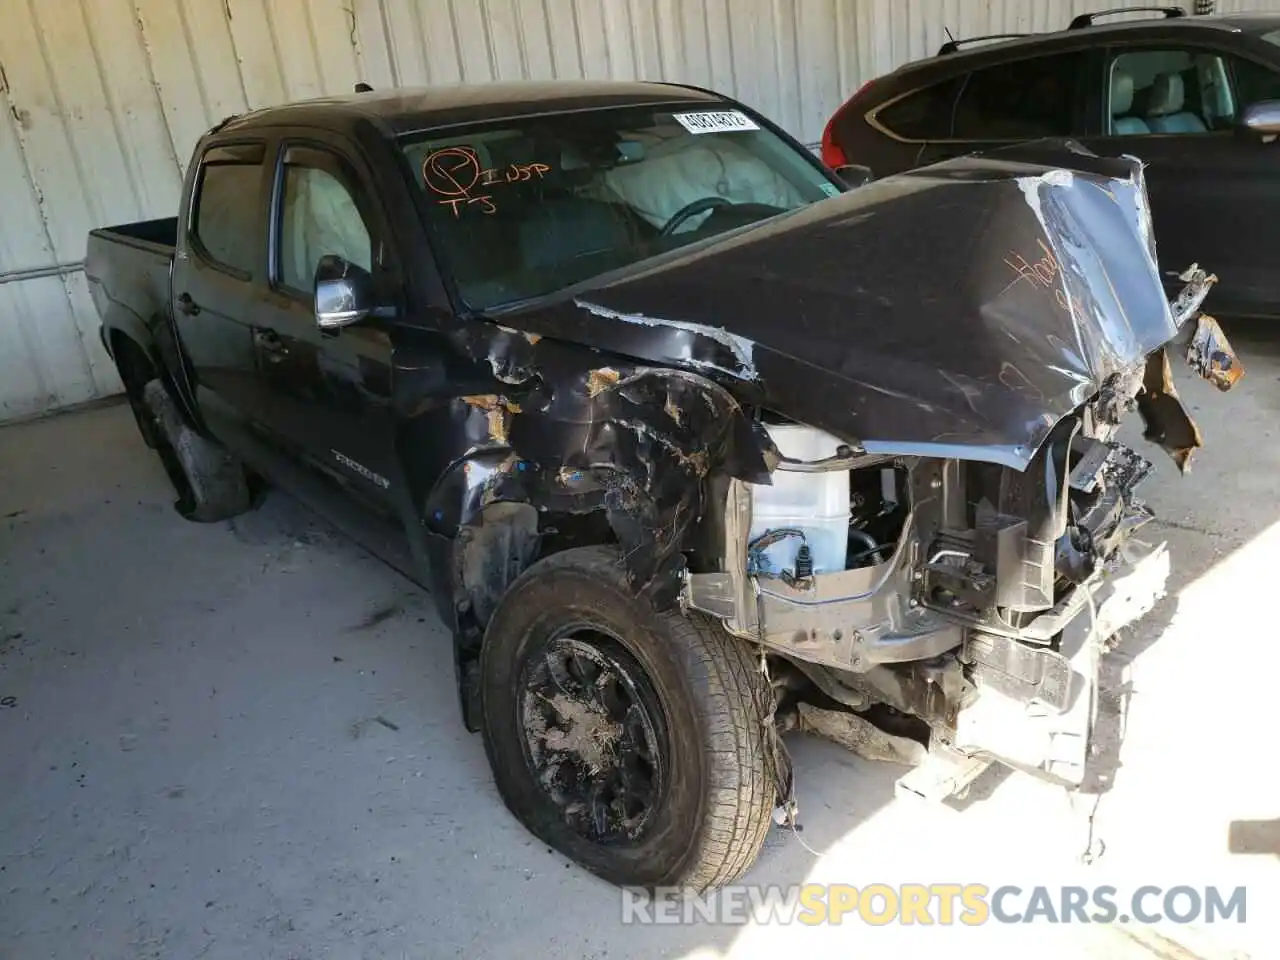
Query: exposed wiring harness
column 757, row 564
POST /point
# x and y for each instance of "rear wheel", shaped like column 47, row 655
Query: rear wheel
column 211, row 484
column 631, row 740
column 135, row 372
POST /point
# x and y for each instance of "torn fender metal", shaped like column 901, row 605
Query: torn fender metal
column 957, row 310
column 1167, row 421
column 1208, row 353
column 634, row 442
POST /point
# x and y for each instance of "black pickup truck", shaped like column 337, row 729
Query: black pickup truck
column 691, row 441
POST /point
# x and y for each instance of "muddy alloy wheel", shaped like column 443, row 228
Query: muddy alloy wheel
column 135, row 373
column 593, row 728
column 630, row 739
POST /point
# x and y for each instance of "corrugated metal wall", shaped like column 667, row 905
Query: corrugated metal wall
column 102, row 100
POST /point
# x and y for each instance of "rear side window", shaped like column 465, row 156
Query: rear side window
column 924, row 115
column 1021, row 100
column 225, row 218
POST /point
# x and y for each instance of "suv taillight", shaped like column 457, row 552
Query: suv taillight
column 833, row 154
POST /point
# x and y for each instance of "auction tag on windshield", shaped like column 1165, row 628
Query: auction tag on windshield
column 716, row 121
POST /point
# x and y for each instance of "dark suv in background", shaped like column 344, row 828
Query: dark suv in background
column 1196, row 98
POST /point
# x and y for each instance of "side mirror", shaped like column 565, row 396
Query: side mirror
column 344, row 293
column 1262, row 119
column 854, row 174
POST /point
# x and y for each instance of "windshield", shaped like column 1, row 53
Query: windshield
column 525, row 207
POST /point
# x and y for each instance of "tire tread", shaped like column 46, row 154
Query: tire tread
column 219, row 487
column 732, row 702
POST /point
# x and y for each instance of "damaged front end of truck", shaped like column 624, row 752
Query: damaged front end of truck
column 875, row 437
column 974, row 597
column 981, row 583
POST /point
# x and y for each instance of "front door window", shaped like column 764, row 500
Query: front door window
column 318, row 216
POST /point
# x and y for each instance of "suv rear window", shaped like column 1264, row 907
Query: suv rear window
column 924, row 115
column 522, row 208
column 1022, row 100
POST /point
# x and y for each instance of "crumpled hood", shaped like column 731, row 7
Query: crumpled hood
column 959, row 310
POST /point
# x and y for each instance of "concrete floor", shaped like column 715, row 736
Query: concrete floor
column 242, row 740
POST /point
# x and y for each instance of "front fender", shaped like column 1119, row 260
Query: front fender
column 638, row 444
column 469, row 484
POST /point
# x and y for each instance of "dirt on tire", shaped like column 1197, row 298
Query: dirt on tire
column 718, row 803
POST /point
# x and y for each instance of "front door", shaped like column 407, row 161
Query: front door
column 330, row 391
column 1213, row 188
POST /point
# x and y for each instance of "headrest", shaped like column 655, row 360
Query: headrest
column 1166, row 95
column 1121, row 92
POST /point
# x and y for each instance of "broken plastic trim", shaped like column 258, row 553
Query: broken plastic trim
column 1167, row 421
column 1198, row 284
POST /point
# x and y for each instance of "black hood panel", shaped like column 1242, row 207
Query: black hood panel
column 959, row 310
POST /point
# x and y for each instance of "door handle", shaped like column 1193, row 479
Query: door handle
column 269, row 342
column 188, row 305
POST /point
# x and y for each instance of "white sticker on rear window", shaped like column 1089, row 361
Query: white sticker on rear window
column 716, row 121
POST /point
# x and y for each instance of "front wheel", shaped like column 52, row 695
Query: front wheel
column 631, row 740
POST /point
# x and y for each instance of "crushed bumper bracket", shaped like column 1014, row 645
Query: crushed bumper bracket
column 1049, row 736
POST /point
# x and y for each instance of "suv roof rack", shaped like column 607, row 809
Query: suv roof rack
column 1087, row 19
column 951, row 46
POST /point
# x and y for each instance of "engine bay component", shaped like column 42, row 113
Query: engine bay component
column 974, row 596
column 812, row 506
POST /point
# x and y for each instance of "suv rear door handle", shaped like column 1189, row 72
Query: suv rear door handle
column 187, row 305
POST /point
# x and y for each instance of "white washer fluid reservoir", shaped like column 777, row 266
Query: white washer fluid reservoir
column 817, row 504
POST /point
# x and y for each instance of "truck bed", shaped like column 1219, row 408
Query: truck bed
column 159, row 234
column 127, row 267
